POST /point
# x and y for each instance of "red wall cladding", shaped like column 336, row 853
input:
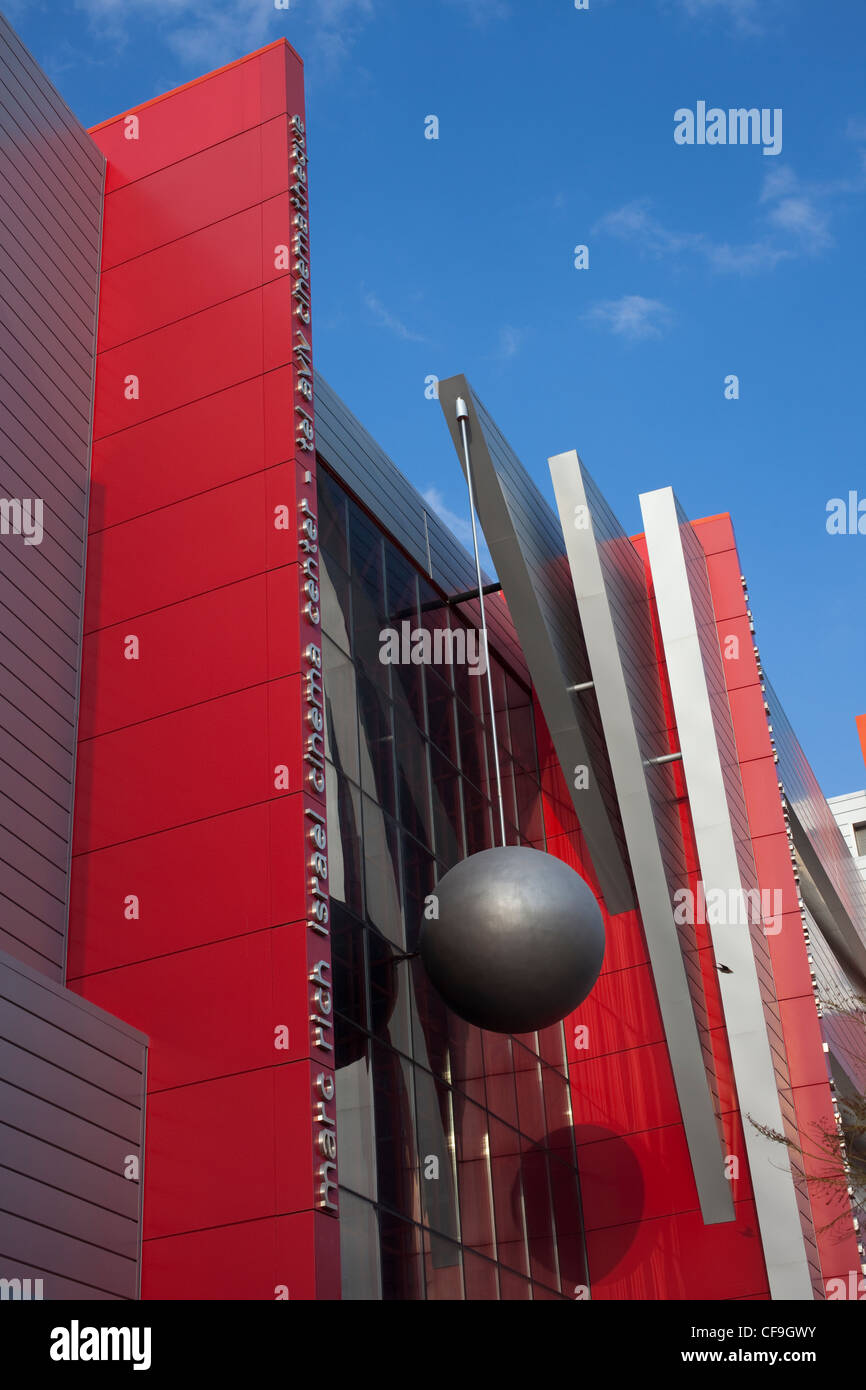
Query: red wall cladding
column 644, row 1232
column 189, row 911
column 645, row 1237
column 812, row 1098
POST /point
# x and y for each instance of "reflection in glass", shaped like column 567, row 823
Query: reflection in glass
column 359, row 1249
column 419, row 1091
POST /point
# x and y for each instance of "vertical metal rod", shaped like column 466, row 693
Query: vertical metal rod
column 463, row 419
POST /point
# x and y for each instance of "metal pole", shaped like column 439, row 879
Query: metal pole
column 463, row 419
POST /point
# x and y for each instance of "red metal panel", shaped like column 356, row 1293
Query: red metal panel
column 191, row 898
column 678, row 1257
column 197, row 192
column 190, row 764
column 222, row 641
column 192, row 885
column 198, row 116
column 182, row 278
column 802, row 1071
column 195, row 357
column 625, row 1091
column 221, row 437
column 238, row 539
column 254, row 1142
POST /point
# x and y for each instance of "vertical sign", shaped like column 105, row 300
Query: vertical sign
column 318, row 930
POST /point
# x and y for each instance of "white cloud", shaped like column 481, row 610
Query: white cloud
column 632, row 317
column 793, row 219
column 386, row 319
column 461, row 526
column 510, row 339
column 744, row 15
column 483, row 12
column 209, row 34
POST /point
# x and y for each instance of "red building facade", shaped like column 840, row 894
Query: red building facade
column 262, row 809
column 200, row 854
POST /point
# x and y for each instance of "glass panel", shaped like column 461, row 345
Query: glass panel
column 473, row 757
column 505, row 1171
column 512, row 1287
column 345, row 880
column 331, row 510
column 521, row 725
column 402, row 1259
column 499, row 1074
column 389, row 994
column 442, row 1267
column 479, row 1277
column 355, row 1120
column 413, row 781
column 447, row 814
column 530, row 1098
column 551, row 1046
column 570, row 1247
column 359, row 1248
column 477, row 820
column 349, row 969
column 467, row 1059
column 366, row 562
column 435, row 1131
column 557, row 1109
column 336, row 601
column 530, row 815
column 472, row 689
column 341, row 710
column 430, row 1024
column 539, row 1226
column 382, row 872
column 442, row 715
column 367, row 641
column 509, row 806
column 419, row 882
column 396, row 1149
column 473, row 1176
column 401, row 588
column 377, row 745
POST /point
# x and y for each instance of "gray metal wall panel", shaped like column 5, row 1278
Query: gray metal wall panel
column 712, row 773
column 51, row 182
column 820, row 842
column 72, row 1106
column 613, row 601
column 525, row 541
column 73, row 139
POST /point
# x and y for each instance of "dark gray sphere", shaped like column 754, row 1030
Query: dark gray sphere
column 518, row 942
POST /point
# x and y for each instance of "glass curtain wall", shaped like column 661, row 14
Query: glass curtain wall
column 457, row 1165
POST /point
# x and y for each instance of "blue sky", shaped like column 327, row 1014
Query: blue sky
column 556, row 129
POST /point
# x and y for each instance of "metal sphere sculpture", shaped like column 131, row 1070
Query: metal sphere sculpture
column 518, row 941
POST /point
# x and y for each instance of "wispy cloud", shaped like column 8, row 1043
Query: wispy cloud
column 632, row 317
column 636, row 222
column 744, row 15
column 793, row 219
column 386, row 319
column 510, row 340
column 461, row 526
column 206, row 34
column 483, row 12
